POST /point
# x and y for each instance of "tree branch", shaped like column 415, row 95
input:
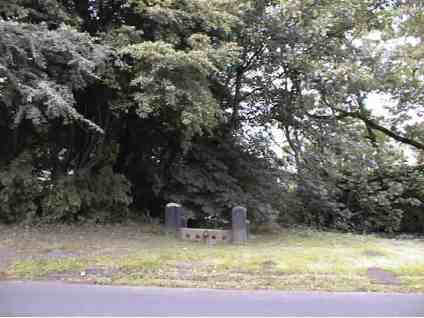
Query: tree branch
column 372, row 124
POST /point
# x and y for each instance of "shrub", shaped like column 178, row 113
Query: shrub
column 20, row 191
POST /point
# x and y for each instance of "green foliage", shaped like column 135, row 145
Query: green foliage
column 20, row 191
column 62, row 201
column 41, row 69
column 175, row 84
column 52, row 12
column 212, row 179
column 102, row 196
column 176, row 81
column 174, row 19
column 175, row 95
column 381, row 200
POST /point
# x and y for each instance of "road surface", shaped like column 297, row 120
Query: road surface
column 60, row 299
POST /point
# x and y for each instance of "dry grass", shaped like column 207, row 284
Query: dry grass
column 140, row 255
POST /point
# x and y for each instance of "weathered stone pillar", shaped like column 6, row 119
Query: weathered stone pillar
column 238, row 219
column 173, row 216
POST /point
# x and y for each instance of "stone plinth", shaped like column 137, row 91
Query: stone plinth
column 206, row 235
column 239, row 223
column 173, row 218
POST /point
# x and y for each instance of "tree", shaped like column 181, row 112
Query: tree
column 311, row 78
column 47, row 128
column 178, row 100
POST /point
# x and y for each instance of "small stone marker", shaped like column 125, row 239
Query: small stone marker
column 381, row 276
column 238, row 218
column 173, row 217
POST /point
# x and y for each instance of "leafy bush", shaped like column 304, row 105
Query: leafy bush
column 101, row 197
column 26, row 196
column 212, row 179
column 20, row 191
column 389, row 202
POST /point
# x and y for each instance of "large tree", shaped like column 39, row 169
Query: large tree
column 111, row 104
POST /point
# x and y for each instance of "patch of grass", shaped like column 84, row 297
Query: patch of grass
column 293, row 282
column 132, row 263
column 416, row 269
column 413, row 283
column 30, row 269
column 301, row 259
column 131, row 279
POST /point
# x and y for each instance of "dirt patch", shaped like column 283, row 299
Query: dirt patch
column 6, row 257
column 60, row 254
column 194, row 265
column 61, row 276
column 86, row 275
column 187, row 270
column 381, row 276
column 100, row 272
column 372, row 253
column 268, row 266
column 184, row 266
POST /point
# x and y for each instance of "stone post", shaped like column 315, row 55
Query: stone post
column 173, row 215
column 238, row 219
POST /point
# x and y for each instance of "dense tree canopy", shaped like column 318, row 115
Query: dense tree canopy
column 111, row 108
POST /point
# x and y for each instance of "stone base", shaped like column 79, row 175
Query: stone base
column 209, row 236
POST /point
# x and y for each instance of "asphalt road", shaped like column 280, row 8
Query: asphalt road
column 59, row 299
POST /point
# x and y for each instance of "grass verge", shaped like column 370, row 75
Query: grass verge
column 133, row 255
